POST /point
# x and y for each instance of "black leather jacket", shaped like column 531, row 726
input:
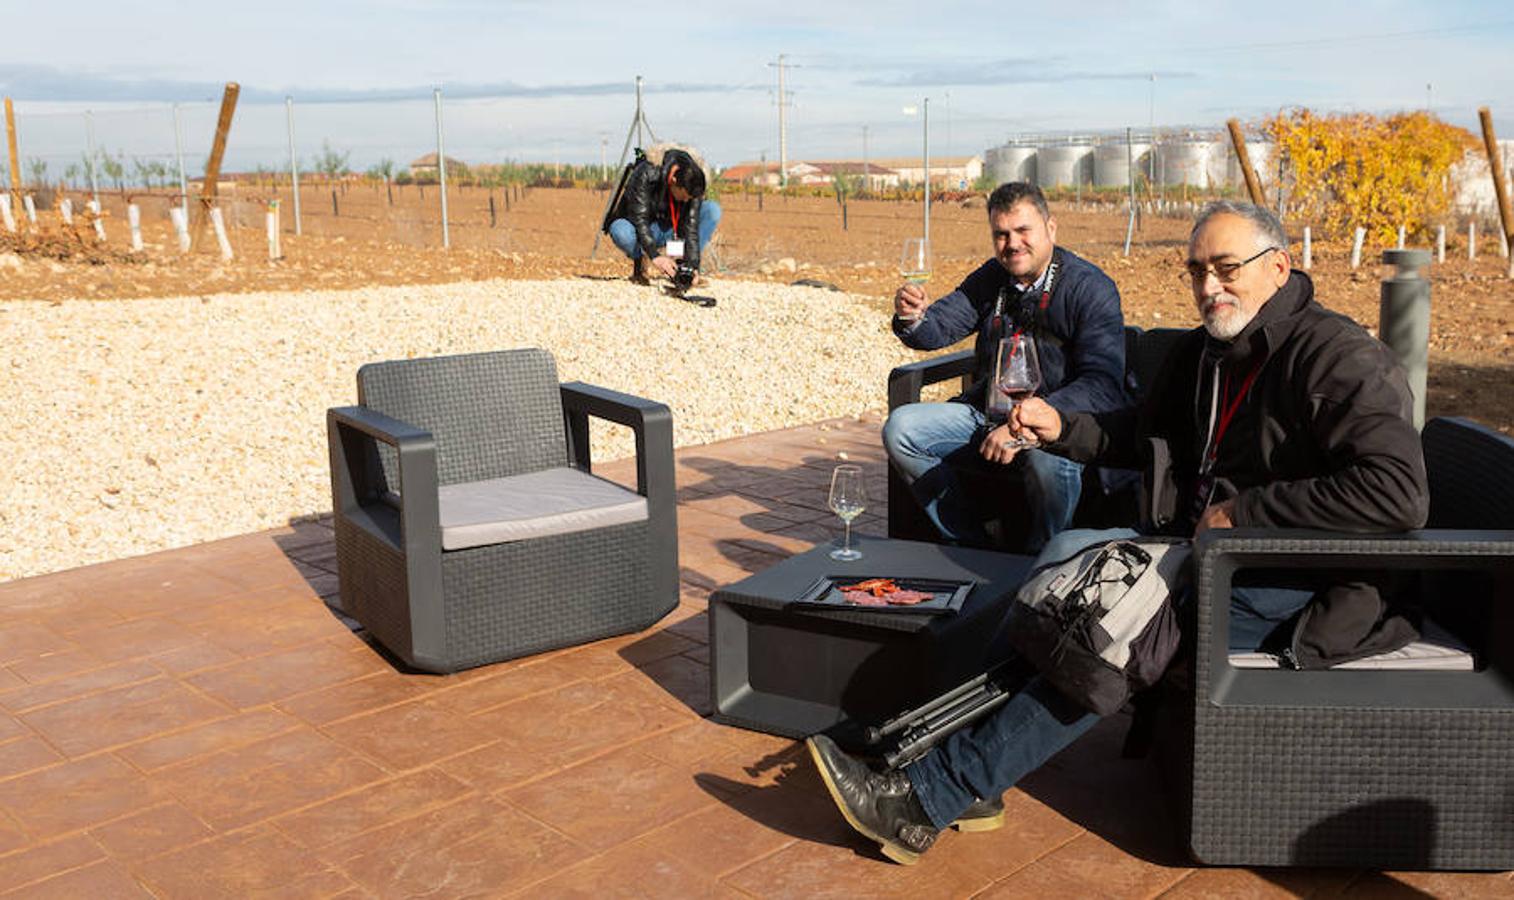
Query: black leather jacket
column 1324, row 440
column 645, row 201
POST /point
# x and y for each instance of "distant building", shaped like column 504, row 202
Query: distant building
column 811, row 173
column 950, row 172
column 878, row 176
column 752, row 173
column 426, row 166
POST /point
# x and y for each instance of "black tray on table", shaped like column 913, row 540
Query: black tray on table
column 825, row 593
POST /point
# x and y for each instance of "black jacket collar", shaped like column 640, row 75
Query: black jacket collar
column 1269, row 328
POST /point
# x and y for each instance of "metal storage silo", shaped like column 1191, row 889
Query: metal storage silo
column 1220, row 166
column 1262, row 160
column 1064, row 164
column 1011, row 162
column 1183, row 162
column 1111, row 162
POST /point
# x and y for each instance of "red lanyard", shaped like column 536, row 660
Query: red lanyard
column 1232, row 406
column 672, row 207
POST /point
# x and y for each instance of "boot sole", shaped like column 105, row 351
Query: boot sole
column 980, row 823
column 899, row 854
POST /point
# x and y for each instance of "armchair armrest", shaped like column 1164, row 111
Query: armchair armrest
column 651, row 423
column 905, row 382
column 353, row 433
column 1219, row 554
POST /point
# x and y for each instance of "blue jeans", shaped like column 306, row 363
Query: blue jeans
column 927, row 442
column 623, row 233
column 991, row 756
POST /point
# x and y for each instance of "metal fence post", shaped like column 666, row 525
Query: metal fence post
column 294, row 165
column 1403, row 320
column 89, row 137
column 178, row 143
column 441, row 169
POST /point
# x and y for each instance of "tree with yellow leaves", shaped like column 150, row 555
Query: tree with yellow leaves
column 1353, row 169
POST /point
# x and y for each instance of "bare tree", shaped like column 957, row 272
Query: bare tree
column 36, row 167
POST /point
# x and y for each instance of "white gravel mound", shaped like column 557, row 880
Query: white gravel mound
column 144, row 425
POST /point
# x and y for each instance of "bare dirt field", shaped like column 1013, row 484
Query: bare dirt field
column 361, row 239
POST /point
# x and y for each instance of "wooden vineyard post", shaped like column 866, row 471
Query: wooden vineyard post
column 213, row 165
column 1253, row 184
column 1505, row 215
column 15, row 158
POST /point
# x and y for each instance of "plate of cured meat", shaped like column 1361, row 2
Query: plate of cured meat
column 931, row 596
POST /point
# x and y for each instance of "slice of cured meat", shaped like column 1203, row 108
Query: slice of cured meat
column 862, row 598
column 907, row 598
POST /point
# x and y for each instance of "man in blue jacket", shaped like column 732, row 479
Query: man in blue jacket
column 1072, row 310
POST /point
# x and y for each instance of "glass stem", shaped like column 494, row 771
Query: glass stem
column 848, row 546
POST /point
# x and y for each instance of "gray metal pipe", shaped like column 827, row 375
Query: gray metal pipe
column 294, row 164
column 441, row 168
column 1403, row 320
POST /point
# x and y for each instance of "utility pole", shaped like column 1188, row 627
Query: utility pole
column 866, row 172
column 948, row 124
column 1151, row 127
column 783, row 130
column 925, row 126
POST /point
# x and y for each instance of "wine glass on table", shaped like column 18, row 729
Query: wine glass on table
column 914, row 262
column 848, row 500
column 1017, row 376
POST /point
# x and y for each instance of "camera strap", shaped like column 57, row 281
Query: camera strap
column 1031, row 314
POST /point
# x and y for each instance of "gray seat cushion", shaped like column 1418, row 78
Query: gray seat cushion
column 533, row 505
column 1437, row 649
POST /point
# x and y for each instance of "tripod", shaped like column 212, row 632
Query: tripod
column 638, row 122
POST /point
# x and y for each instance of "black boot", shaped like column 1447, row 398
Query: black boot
column 639, row 271
column 882, row 806
column 983, row 815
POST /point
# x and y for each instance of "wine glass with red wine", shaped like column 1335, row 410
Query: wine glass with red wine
column 1018, row 373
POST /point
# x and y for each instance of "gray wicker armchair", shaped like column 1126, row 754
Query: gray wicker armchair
column 1379, row 769
column 468, row 527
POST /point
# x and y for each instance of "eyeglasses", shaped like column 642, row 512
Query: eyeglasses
column 1225, row 272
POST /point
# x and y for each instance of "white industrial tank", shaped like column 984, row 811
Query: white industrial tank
column 1112, row 160
column 1011, row 162
column 1063, row 165
column 1183, row 162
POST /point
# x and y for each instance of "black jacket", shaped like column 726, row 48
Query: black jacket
column 645, row 200
column 1324, row 439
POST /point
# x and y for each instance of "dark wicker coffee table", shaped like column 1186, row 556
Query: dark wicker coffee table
column 797, row 671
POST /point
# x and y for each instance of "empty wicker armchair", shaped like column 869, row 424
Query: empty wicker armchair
column 468, row 527
column 1392, row 763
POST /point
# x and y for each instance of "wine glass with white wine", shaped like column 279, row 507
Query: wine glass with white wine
column 848, row 500
column 914, row 261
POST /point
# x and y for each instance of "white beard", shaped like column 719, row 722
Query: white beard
column 1224, row 322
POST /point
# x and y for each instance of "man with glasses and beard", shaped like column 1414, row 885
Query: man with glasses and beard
column 1070, row 309
column 1276, row 413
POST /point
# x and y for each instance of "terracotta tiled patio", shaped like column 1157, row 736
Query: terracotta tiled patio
column 198, row 723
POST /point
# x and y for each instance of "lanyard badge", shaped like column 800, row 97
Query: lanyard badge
column 1203, row 491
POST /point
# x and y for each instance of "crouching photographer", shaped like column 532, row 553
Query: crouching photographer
column 660, row 214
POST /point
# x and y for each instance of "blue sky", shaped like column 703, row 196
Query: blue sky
column 540, row 80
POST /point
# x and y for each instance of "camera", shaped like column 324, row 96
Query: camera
column 683, row 279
